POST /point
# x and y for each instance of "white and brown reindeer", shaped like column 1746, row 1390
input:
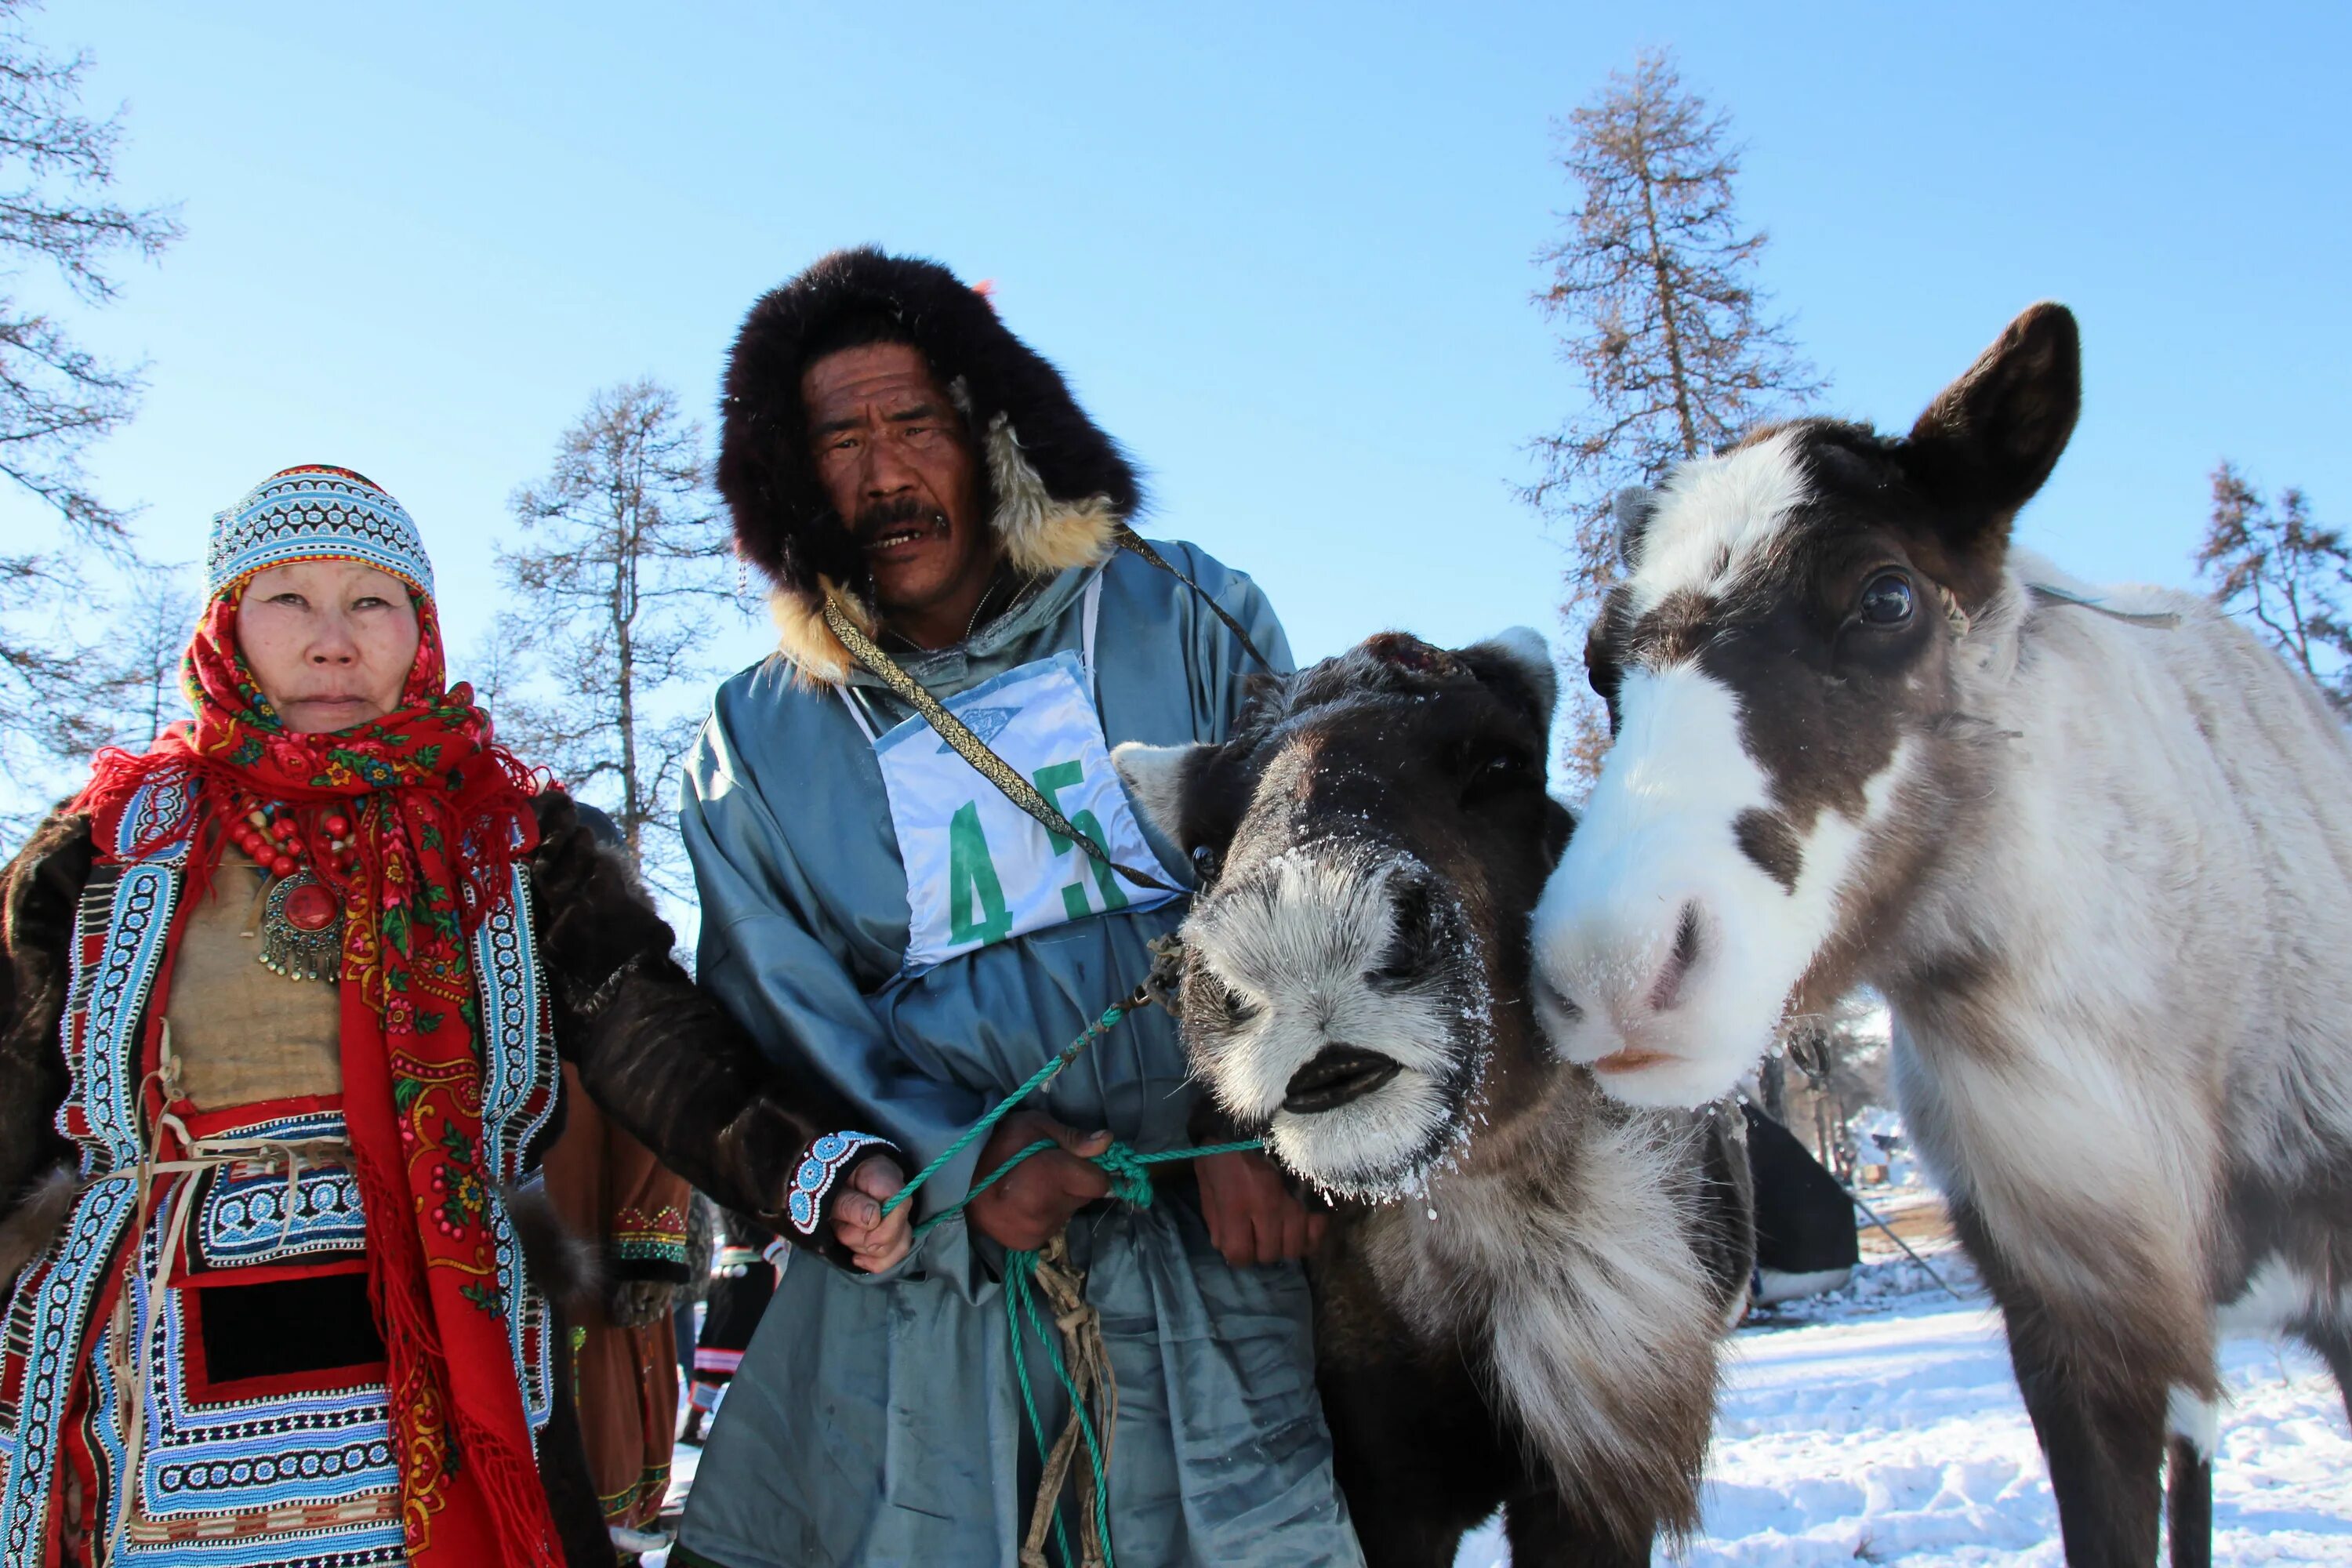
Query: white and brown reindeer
column 2095, row 850
column 1521, row 1298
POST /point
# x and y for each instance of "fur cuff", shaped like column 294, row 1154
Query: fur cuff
column 27, row 1232
column 564, row 1267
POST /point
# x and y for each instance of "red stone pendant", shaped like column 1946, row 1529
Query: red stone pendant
column 310, row 907
column 303, row 930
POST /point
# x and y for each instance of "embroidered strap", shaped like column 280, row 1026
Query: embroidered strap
column 971, row 748
column 821, row 1166
column 1126, row 538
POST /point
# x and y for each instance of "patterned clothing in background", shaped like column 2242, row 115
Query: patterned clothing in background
column 607, row 1188
column 743, row 1274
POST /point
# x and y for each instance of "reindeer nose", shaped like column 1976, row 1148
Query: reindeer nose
column 1337, row 1076
column 1665, row 990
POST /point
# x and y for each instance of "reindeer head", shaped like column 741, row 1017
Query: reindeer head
column 1785, row 666
column 1371, row 843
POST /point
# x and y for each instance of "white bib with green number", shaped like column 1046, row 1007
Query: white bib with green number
column 979, row 869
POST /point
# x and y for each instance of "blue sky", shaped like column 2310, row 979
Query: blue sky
column 1285, row 252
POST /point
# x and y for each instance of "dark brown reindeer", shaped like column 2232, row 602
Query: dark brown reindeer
column 2096, row 849
column 1520, row 1301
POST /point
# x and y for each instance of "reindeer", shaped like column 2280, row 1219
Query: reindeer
column 1520, row 1300
column 2095, row 848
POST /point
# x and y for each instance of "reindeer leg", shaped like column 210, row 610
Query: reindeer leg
column 2188, row 1504
column 2103, row 1440
column 1545, row 1532
column 2335, row 1347
column 1416, row 1455
column 2099, row 1418
column 2104, row 1452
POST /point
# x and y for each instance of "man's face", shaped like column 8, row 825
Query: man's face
column 897, row 464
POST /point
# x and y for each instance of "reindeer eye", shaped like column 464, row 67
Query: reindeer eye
column 1494, row 772
column 1204, row 864
column 1885, row 600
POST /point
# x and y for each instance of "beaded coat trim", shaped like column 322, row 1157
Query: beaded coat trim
column 294, row 1477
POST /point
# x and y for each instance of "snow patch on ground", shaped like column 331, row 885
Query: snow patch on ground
column 1881, row 1425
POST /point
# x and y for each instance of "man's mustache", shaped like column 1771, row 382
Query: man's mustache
column 877, row 518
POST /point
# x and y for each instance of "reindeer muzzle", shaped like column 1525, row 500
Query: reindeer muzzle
column 1337, row 1075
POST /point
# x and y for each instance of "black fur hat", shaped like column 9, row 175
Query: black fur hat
column 1059, row 487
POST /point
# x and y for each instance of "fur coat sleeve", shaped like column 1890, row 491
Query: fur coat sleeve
column 39, row 892
column 657, row 1054
column 660, row 1057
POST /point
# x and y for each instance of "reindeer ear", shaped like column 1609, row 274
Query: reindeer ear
column 1989, row 440
column 1631, row 506
column 1158, row 778
column 1517, row 666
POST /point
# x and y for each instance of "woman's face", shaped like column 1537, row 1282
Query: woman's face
column 330, row 642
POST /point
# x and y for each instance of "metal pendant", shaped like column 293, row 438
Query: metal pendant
column 303, row 930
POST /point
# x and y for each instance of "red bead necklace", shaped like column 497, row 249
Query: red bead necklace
column 301, row 924
column 272, row 840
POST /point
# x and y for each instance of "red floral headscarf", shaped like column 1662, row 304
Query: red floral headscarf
column 439, row 812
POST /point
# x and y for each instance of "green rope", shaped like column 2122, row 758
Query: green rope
column 1130, row 1183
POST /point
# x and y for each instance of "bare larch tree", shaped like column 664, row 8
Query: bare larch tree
column 147, row 636
column 58, row 227
column 612, row 598
column 1652, row 295
column 2277, row 568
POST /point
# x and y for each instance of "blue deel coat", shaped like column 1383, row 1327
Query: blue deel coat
column 877, row 1419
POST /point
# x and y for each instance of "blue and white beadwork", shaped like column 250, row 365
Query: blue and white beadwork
column 826, row 1158
column 261, row 1458
column 315, row 512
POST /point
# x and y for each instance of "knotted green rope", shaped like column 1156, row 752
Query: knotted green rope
column 1130, row 1183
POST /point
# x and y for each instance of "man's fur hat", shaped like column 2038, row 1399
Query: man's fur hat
column 1060, row 487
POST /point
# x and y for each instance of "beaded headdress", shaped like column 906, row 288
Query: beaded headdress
column 315, row 512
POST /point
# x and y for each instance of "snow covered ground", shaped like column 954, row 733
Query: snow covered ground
column 1882, row 1425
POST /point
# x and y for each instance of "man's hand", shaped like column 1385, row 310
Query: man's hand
column 875, row 1243
column 1038, row 1198
column 1252, row 1214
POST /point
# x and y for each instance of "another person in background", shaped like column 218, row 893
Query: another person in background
column 937, row 514
column 283, row 1007
column 620, row 1354
column 745, row 1269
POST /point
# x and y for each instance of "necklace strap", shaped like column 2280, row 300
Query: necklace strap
column 971, row 748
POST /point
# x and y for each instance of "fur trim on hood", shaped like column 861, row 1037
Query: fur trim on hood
column 1058, row 487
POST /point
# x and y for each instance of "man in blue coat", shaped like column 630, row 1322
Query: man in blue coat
column 879, row 908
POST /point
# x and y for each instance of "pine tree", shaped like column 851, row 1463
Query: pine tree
column 2284, row 573
column 1653, row 294
column 624, row 554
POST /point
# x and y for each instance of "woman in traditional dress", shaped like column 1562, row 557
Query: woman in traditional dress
column 285, row 998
